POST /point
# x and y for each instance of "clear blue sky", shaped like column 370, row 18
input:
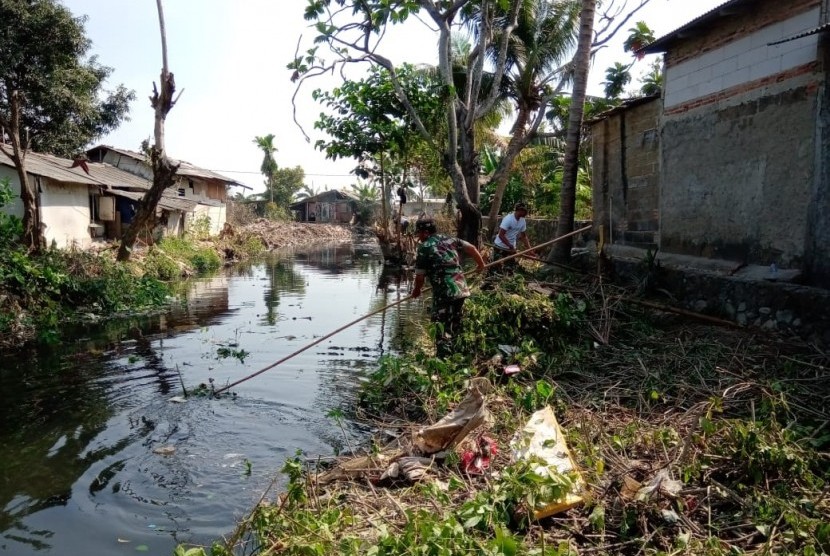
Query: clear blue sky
column 229, row 60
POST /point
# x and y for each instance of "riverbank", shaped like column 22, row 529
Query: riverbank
column 39, row 293
column 688, row 439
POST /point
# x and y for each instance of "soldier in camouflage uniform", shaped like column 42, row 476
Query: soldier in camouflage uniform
column 437, row 258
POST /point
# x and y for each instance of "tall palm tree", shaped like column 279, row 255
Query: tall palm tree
column 544, row 36
column 616, row 78
column 582, row 60
column 269, row 164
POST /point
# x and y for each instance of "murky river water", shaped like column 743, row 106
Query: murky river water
column 79, row 422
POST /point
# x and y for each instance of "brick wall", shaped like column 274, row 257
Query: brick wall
column 626, row 180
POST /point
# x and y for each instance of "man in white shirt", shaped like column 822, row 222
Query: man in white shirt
column 512, row 229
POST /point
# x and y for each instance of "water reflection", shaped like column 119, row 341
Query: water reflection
column 79, row 422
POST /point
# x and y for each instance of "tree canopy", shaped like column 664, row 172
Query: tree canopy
column 51, row 96
column 509, row 39
column 43, row 65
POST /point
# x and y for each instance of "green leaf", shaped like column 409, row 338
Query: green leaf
column 472, row 522
column 506, row 543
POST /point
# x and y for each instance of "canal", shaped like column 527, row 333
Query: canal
column 97, row 456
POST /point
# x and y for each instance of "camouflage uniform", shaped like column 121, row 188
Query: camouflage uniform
column 437, row 258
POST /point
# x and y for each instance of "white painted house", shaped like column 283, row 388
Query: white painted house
column 76, row 208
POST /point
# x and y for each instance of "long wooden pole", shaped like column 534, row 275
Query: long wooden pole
column 364, row 317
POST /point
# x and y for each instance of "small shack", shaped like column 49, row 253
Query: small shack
column 334, row 206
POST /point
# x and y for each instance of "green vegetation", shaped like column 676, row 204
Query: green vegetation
column 281, row 184
column 39, row 291
column 691, row 440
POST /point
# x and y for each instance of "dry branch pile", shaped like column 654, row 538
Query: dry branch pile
column 276, row 234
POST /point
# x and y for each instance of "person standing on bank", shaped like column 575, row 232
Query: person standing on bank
column 512, row 229
column 438, row 258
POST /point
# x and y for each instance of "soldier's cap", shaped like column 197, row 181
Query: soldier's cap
column 425, row 224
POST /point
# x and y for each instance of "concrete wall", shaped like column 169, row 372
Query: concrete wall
column 216, row 215
column 626, row 175
column 64, row 210
column 739, row 160
column 818, row 225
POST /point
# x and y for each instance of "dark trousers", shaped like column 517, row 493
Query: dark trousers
column 448, row 314
column 506, row 267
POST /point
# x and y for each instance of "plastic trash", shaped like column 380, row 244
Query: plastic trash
column 475, row 462
column 511, row 370
column 542, row 438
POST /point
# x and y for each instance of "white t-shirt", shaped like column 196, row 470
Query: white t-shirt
column 512, row 228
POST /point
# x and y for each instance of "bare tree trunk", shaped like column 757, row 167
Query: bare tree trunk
column 164, row 171
column 561, row 251
column 384, row 196
column 32, row 237
column 467, row 189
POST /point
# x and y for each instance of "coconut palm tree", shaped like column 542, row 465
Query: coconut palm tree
column 539, row 45
column 269, row 164
column 652, row 82
column 582, row 61
column 616, row 78
column 307, row 192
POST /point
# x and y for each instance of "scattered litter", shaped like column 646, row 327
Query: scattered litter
column 456, row 425
column 670, row 516
column 122, row 541
column 508, row 350
column 474, row 462
column 630, row 488
column 511, row 370
column 165, row 450
column 661, row 483
column 178, row 399
column 542, row 438
column 411, row 457
column 412, row 468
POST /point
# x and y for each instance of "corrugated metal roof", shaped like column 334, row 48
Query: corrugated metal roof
column 115, row 177
column 102, row 174
column 52, row 167
column 185, row 168
column 661, row 44
column 814, row 31
column 625, row 105
column 166, row 202
column 59, row 169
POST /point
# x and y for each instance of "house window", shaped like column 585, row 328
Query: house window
column 181, row 192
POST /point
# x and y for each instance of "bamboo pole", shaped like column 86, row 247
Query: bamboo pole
column 366, row 316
